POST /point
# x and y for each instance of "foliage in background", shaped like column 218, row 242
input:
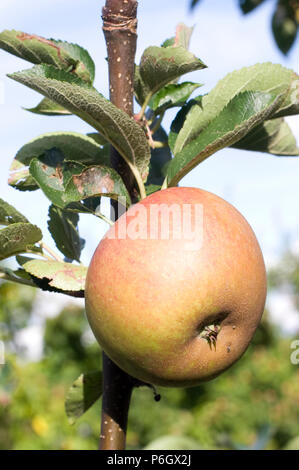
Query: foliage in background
column 284, row 21
column 254, row 404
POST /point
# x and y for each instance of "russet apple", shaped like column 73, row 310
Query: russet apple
column 176, row 288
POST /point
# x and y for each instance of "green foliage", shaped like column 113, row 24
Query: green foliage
column 55, row 275
column 236, row 119
column 63, row 226
column 87, row 103
column 230, row 412
column 84, row 392
column 18, row 238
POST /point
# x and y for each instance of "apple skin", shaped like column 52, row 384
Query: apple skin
column 148, row 301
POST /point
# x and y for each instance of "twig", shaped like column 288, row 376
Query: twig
column 120, row 24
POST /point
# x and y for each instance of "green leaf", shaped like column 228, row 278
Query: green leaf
column 173, row 443
column 284, row 27
column 73, row 145
column 89, row 205
column 38, row 50
column 159, row 159
column 63, row 226
column 10, row 215
column 242, row 114
column 64, row 182
column 179, row 120
column 85, row 68
column 61, row 276
column 183, row 35
column 161, row 65
column 49, row 108
column 141, row 90
column 274, row 136
column 98, row 138
column 115, row 125
column 18, row 238
column 84, row 392
column 171, row 96
column 267, row 78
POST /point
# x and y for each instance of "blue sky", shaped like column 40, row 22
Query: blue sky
column 264, row 188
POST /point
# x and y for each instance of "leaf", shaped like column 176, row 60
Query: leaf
column 173, row 443
column 38, row 50
column 284, row 27
column 89, row 205
column 85, row 68
column 49, row 108
column 84, row 392
column 242, row 113
column 115, row 125
column 62, row 276
column 266, row 77
column 161, row 65
column 73, row 145
column 194, row 3
column 171, row 96
column 63, row 226
column 159, row 159
column 183, row 35
column 141, row 90
column 179, row 120
column 18, row 238
column 274, row 136
column 64, row 182
column 10, row 215
column 249, row 5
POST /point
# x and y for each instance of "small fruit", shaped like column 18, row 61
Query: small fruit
column 174, row 299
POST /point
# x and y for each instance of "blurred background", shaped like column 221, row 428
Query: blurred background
column 47, row 340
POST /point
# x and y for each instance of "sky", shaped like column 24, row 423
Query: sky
column 263, row 188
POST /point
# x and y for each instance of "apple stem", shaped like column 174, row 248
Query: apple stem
column 120, row 31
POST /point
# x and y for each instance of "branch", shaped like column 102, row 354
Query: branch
column 120, row 30
column 120, row 23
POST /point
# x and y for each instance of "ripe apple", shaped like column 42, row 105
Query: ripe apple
column 176, row 288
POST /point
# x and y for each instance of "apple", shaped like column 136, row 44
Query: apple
column 176, row 288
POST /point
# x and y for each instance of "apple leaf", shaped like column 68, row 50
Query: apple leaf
column 242, row 114
column 73, row 145
column 115, row 125
column 64, row 277
column 39, row 50
column 159, row 159
column 273, row 136
column 161, row 65
column 89, row 205
column 179, row 120
column 63, row 226
column 49, row 108
column 171, row 96
column 266, row 78
column 182, row 37
column 64, row 182
column 84, row 392
column 141, row 90
column 9, row 215
column 18, row 238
